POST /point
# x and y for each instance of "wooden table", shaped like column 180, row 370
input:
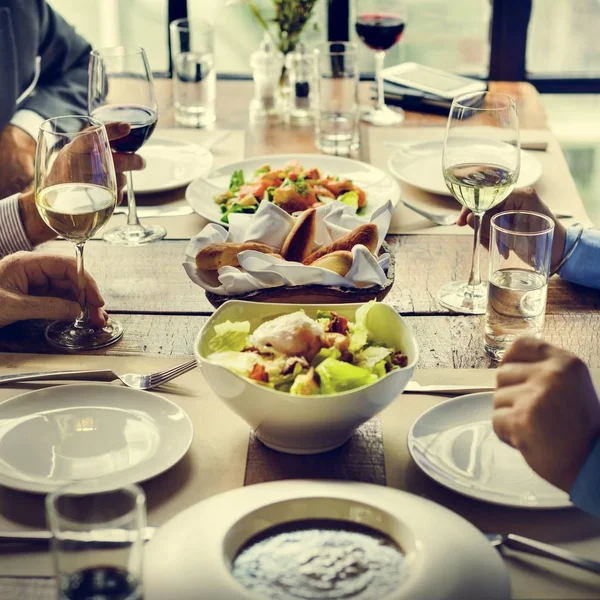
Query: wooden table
column 162, row 310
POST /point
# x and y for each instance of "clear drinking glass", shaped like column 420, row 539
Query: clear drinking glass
column 481, row 163
column 97, row 541
column 121, row 89
column 379, row 24
column 336, row 125
column 76, row 193
column 520, row 256
column 194, row 74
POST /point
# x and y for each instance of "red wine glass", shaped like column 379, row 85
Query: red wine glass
column 121, row 89
column 379, row 24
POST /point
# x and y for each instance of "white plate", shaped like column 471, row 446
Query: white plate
column 378, row 185
column 420, row 165
column 455, row 445
column 446, row 557
column 170, row 164
column 55, row 435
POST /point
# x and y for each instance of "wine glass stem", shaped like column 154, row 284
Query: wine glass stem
column 83, row 320
column 379, row 58
column 132, row 218
column 475, row 277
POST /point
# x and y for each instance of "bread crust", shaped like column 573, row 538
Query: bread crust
column 301, row 239
column 215, row 256
column 339, row 262
column 367, row 235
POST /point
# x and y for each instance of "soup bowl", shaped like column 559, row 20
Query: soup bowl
column 306, row 424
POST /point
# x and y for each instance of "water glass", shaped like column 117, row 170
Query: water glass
column 97, row 541
column 336, row 126
column 520, row 254
column 194, row 74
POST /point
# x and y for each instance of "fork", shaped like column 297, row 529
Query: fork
column 136, row 381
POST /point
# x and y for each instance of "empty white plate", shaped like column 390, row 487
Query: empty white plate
column 455, row 445
column 420, row 165
column 113, row 434
column 170, row 164
column 378, row 185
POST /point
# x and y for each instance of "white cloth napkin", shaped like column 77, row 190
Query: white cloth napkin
column 270, row 225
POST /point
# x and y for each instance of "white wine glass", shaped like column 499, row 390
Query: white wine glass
column 380, row 24
column 481, row 164
column 76, row 193
column 121, row 89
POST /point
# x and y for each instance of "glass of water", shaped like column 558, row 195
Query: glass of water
column 336, row 125
column 194, row 75
column 520, row 254
column 97, row 541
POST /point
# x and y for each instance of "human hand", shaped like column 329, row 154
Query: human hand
column 17, row 156
column 39, row 286
column 546, row 407
column 523, row 199
column 73, row 164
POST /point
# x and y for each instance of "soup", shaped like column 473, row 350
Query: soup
column 320, row 560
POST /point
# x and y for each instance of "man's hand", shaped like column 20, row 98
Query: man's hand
column 38, row 286
column 524, row 199
column 546, row 407
column 68, row 167
column 17, row 156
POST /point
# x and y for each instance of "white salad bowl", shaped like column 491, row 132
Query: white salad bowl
column 306, row 424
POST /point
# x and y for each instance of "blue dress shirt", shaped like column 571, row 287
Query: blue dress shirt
column 584, row 265
column 585, row 492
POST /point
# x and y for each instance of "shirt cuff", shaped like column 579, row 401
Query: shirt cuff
column 585, row 493
column 29, row 121
column 583, row 266
column 12, row 233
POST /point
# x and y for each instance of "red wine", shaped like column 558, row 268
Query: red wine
column 101, row 583
column 380, row 31
column 141, row 119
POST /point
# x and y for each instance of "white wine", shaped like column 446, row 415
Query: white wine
column 480, row 186
column 76, row 211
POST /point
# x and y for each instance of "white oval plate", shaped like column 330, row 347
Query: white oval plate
column 378, row 185
column 420, row 165
column 115, row 435
column 447, row 558
column 455, row 445
column 170, row 164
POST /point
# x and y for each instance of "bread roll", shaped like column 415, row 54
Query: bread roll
column 301, row 238
column 366, row 235
column 215, row 256
column 339, row 262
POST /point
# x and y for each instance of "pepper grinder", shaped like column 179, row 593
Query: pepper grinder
column 267, row 64
column 301, row 66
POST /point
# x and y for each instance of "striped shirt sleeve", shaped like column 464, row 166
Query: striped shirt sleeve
column 12, row 233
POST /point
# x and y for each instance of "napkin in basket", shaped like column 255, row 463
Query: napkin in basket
column 270, row 225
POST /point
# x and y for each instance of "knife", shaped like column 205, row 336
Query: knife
column 523, row 544
column 94, row 375
column 101, row 536
column 413, row 387
column 149, row 211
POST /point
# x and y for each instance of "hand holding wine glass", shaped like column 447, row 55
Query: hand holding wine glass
column 481, row 164
column 380, row 24
column 121, row 89
column 76, row 193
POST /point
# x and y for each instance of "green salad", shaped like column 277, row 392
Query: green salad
column 300, row 355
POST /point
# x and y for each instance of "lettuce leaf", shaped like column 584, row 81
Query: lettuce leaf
column 350, row 198
column 359, row 334
column 236, row 181
column 338, row 376
column 370, row 356
column 324, row 353
column 232, row 336
column 238, row 362
column 305, row 385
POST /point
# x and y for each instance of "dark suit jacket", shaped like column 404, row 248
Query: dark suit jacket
column 30, row 28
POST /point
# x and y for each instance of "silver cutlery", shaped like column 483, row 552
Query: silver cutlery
column 438, row 219
column 150, row 211
column 535, row 146
column 136, row 381
column 523, row 544
column 416, row 388
column 43, row 536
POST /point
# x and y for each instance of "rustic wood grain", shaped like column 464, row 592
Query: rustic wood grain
column 359, row 459
column 150, row 279
column 34, row 588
